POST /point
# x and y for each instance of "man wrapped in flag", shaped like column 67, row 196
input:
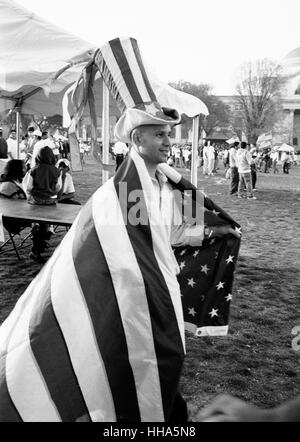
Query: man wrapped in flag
column 99, row 333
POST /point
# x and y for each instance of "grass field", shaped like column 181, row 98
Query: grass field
column 256, row 360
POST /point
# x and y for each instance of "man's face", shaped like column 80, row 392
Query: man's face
column 154, row 143
column 13, row 135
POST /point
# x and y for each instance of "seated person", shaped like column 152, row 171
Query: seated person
column 42, row 186
column 67, row 192
column 44, row 180
column 11, row 187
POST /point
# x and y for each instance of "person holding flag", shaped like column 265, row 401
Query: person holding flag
column 99, row 334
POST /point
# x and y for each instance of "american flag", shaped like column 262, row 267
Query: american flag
column 207, row 272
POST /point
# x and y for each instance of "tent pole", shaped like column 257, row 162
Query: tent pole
column 18, row 131
column 195, row 150
column 105, row 131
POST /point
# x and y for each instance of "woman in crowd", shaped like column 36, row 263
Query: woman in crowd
column 42, row 186
column 11, row 187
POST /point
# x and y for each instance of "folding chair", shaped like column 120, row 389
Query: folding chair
column 14, row 228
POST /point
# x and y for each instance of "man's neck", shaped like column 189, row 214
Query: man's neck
column 151, row 168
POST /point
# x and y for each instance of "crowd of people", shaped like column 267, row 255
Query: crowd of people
column 41, row 176
column 30, row 143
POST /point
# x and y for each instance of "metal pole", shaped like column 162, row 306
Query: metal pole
column 105, row 131
column 18, row 131
column 195, row 142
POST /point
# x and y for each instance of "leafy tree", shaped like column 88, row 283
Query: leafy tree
column 258, row 97
column 218, row 111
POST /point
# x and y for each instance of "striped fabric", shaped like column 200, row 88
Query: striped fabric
column 98, row 335
column 120, row 64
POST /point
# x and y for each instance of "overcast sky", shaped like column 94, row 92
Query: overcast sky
column 193, row 40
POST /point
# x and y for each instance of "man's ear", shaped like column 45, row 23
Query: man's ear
column 136, row 137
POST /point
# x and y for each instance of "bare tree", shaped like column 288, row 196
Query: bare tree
column 258, row 97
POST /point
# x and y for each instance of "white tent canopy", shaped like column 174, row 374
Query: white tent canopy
column 33, row 50
column 39, row 62
column 286, row 148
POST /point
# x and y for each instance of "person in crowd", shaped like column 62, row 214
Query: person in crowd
column 3, row 145
column 211, row 159
column 253, row 170
column 43, row 184
column 31, row 140
column 12, row 145
column 225, row 158
column 177, row 158
column 120, row 150
column 286, row 162
column 234, row 174
column 65, row 149
column 266, row 161
column 243, row 162
column 81, row 151
column 11, row 186
column 216, row 163
column 67, row 192
column 11, row 180
column 48, row 141
column 227, row 408
column 275, row 158
column 24, row 148
column 205, row 158
column 187, row 156
column 38, row 144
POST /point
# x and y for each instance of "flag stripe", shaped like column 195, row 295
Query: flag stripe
column 142, row 69
column 116, row 75
column 8, row 411
column 104, row 310
column 161, row 239
column 22, row 372
column 132, row 301
column 125, row 70
column 52, row 356
column 135, row 69
column 70, row 310
column 166, row 335
column 109, row 81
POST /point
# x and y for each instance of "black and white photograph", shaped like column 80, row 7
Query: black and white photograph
column 149, row 214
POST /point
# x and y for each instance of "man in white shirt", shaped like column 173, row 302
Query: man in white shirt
column 211, row 159
column 234, row 174
column 205, row 158
column 12, row 145
column 31, row 140
column 39, row 143
column 120, row 150
column 67, row 191
column 243, row 162
column 48, row 141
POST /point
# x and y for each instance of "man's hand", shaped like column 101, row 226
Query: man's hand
column 218, row 231
column 226, row 408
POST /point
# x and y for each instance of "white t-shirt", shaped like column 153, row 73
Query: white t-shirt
column 68, row 184
column 12, row 148
column 38, row 145
column 120, row 148
column 232, row 157
column 243, row 160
